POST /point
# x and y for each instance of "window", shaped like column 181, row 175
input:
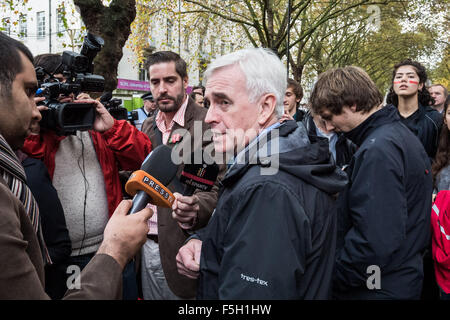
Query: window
column 142, row 73
column 222, row 48
column 40, row 18
column 23, row 30
column 186, row 40
column 213, row 46
column 6, row 24
column 169, row 32
column 200, row 45
column 60, row 21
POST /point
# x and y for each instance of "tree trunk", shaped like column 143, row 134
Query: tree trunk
column 113, row 25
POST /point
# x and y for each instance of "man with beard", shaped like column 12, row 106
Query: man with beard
column 173, row 125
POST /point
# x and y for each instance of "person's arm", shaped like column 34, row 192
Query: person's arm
column 19, row 278
column 102, row 277
column 378, row 210
column 130, row 146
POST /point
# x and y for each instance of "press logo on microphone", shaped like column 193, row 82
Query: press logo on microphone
column 155, row 186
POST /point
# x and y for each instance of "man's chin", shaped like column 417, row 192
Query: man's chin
column 168, row 108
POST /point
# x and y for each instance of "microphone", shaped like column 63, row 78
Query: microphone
column 106, row 97
column 149, row 183
column 198, row 176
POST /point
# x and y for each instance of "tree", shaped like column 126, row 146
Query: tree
column 110, row 19
column 268, row 23
column 201, row 36
column 112, row 23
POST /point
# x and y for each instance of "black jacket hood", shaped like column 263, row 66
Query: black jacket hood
column 289, row 148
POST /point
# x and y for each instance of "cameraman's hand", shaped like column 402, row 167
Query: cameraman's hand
column 103, row 119
column 125, row 234
column 84, row 96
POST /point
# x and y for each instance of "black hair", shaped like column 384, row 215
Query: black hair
column 199, row 87
column 10, row 62
column 51, row 62
column 168, row 56
column 425, row 98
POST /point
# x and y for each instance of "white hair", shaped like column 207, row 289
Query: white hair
column 264, row 72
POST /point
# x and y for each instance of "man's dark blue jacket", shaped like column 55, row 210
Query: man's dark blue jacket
column 384, row 212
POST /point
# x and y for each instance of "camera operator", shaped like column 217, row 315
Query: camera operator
column 84, row 167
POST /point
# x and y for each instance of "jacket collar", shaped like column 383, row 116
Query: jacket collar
column 387, row 114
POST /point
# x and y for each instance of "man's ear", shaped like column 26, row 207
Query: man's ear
column 353, row 108
column 185, row 82
column 267, row 111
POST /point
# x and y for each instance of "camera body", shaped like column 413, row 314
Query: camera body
column 113, row 105
column 66, row 118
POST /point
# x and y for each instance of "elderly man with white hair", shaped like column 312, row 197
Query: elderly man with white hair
column 273, row 232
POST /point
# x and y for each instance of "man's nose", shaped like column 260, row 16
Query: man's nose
column 210, row 115
column 162, row 87
column 35, row 114
column 329, row 126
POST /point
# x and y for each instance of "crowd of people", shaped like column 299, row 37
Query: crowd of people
column 330, row 203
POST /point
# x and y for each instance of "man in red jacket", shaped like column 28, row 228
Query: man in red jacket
column 84, row 168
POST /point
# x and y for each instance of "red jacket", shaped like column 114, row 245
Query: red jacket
column 122, row 147
column 440, row 226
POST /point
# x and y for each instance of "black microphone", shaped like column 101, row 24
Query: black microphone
column 106, row 97
column 200, row 176
column 156, row 172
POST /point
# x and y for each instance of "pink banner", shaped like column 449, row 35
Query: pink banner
column 127, row 84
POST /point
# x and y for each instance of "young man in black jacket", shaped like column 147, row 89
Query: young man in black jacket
column 384, row 211
column 272, row 235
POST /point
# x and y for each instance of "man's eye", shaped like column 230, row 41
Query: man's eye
column 30, row 92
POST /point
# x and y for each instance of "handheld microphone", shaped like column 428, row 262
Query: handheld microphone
column 198, row 176
column 149, row 183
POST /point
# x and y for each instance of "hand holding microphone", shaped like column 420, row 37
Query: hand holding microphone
column 148, row 185
column 194, row 176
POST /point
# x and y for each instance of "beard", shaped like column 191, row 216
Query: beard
column 170, row 107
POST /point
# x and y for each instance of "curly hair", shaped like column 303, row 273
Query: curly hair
column 425, row 98
column 443, row 152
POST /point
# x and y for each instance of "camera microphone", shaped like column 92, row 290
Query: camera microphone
column 106, row 97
